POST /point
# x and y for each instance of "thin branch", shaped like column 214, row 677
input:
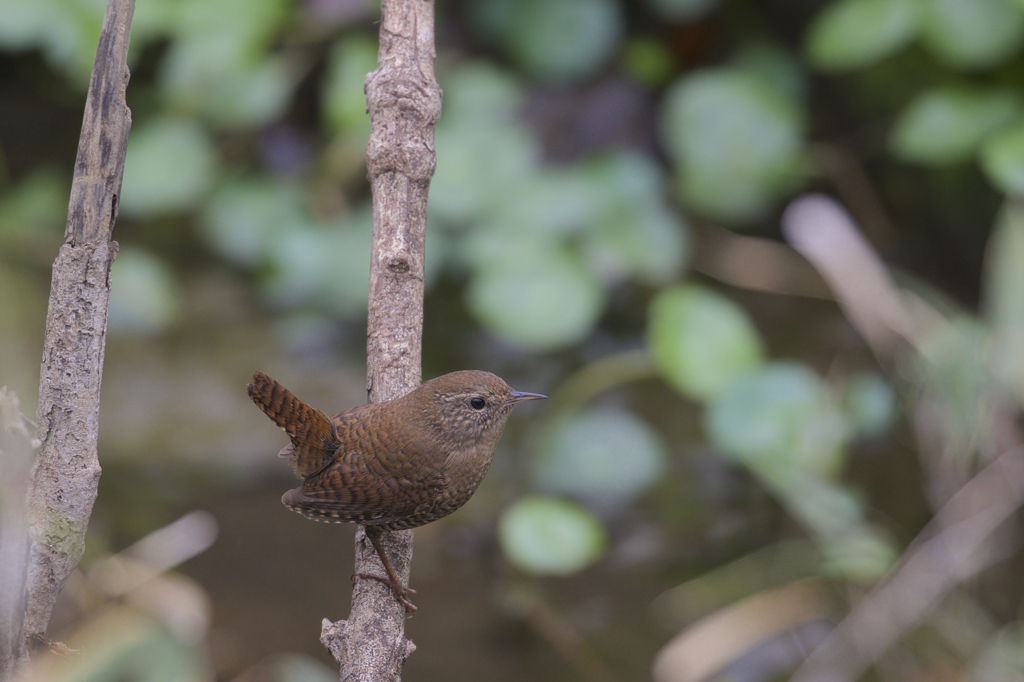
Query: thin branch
column 948, row 551
column 66, row 473
column 755, row 263
column 820, row 228
column 404, row 105
column 845, row 170
column 599, row 376
column 562, row 636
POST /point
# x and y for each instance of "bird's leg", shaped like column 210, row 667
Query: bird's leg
column 392, row 580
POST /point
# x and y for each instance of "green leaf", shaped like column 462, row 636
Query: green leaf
column 249, row 96
column 648, row 61
column 39, row 202
column 556, row 40
column 826, row 508
column 946, row 125
column 501, row 246
column 491, row 19
column 170, row 165
column 852, row 34
column 731, row 198
column 861, row 553
column 344, row 102
column 870, row 402
column 154, row 20
column 972, row 34
column 300, row 264
column 604, row 454
column 1002, row 159
column 144, row 296
column 651, row 245
column 783, row 424
column 781, row 421
column 564, row 39
column 66, row 31
column 1004, row 297
column 218, row 64
column 701, row 341
column 547, row 303
column 324, row 265
column 775, row 67
column 634, row 234
column 204, row 75
column 468, row 183
column 245, row 27
column 834, row 515
column 627, row 181
column 736, row 141
column 478, row 94
column 552, row 202
column 346, row 276
column 547, row 536
column 25, row 23
column 243, row 216
column 193, row 66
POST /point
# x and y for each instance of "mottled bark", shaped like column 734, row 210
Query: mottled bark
column 404, row 105
column 65, row 476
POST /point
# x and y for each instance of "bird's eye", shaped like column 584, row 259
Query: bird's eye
column 476, row 403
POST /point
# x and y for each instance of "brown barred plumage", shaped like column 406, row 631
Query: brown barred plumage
column 393, row 465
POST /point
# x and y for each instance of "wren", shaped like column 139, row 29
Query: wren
column 396, row 464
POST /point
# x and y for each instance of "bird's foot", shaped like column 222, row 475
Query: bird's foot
column 396, row 587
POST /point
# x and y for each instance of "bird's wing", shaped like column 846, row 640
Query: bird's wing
column 314, row 436
column 371, row 481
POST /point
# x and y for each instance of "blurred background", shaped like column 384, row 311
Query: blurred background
column 754, row 410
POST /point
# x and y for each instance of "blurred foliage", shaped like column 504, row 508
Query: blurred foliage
column 719, row 443
column 736, row 139
column 550, row 536
column 581, row 455
column 701, row 340
column 945, row 126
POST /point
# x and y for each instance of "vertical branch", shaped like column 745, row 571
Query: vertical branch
column 15, row 461
column 65, row 476
column 404, row 105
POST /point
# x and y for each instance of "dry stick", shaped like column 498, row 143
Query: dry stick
column 404, row 104
column 949, row 551
column 66, row 473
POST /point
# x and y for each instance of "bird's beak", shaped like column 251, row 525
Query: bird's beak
column 520, row 396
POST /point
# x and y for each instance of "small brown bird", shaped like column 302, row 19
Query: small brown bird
column 392, row 465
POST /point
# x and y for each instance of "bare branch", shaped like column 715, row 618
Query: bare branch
column 66, row 473
column 821, row 229
column 404, row 104
column 947, row 552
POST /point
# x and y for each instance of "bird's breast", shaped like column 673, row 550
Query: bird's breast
column 465, row 468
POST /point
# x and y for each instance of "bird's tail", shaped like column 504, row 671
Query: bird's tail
column 314, row 436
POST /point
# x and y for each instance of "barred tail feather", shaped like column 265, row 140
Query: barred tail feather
column 313, row 435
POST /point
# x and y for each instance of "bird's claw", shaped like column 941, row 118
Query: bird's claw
column 397, row 588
